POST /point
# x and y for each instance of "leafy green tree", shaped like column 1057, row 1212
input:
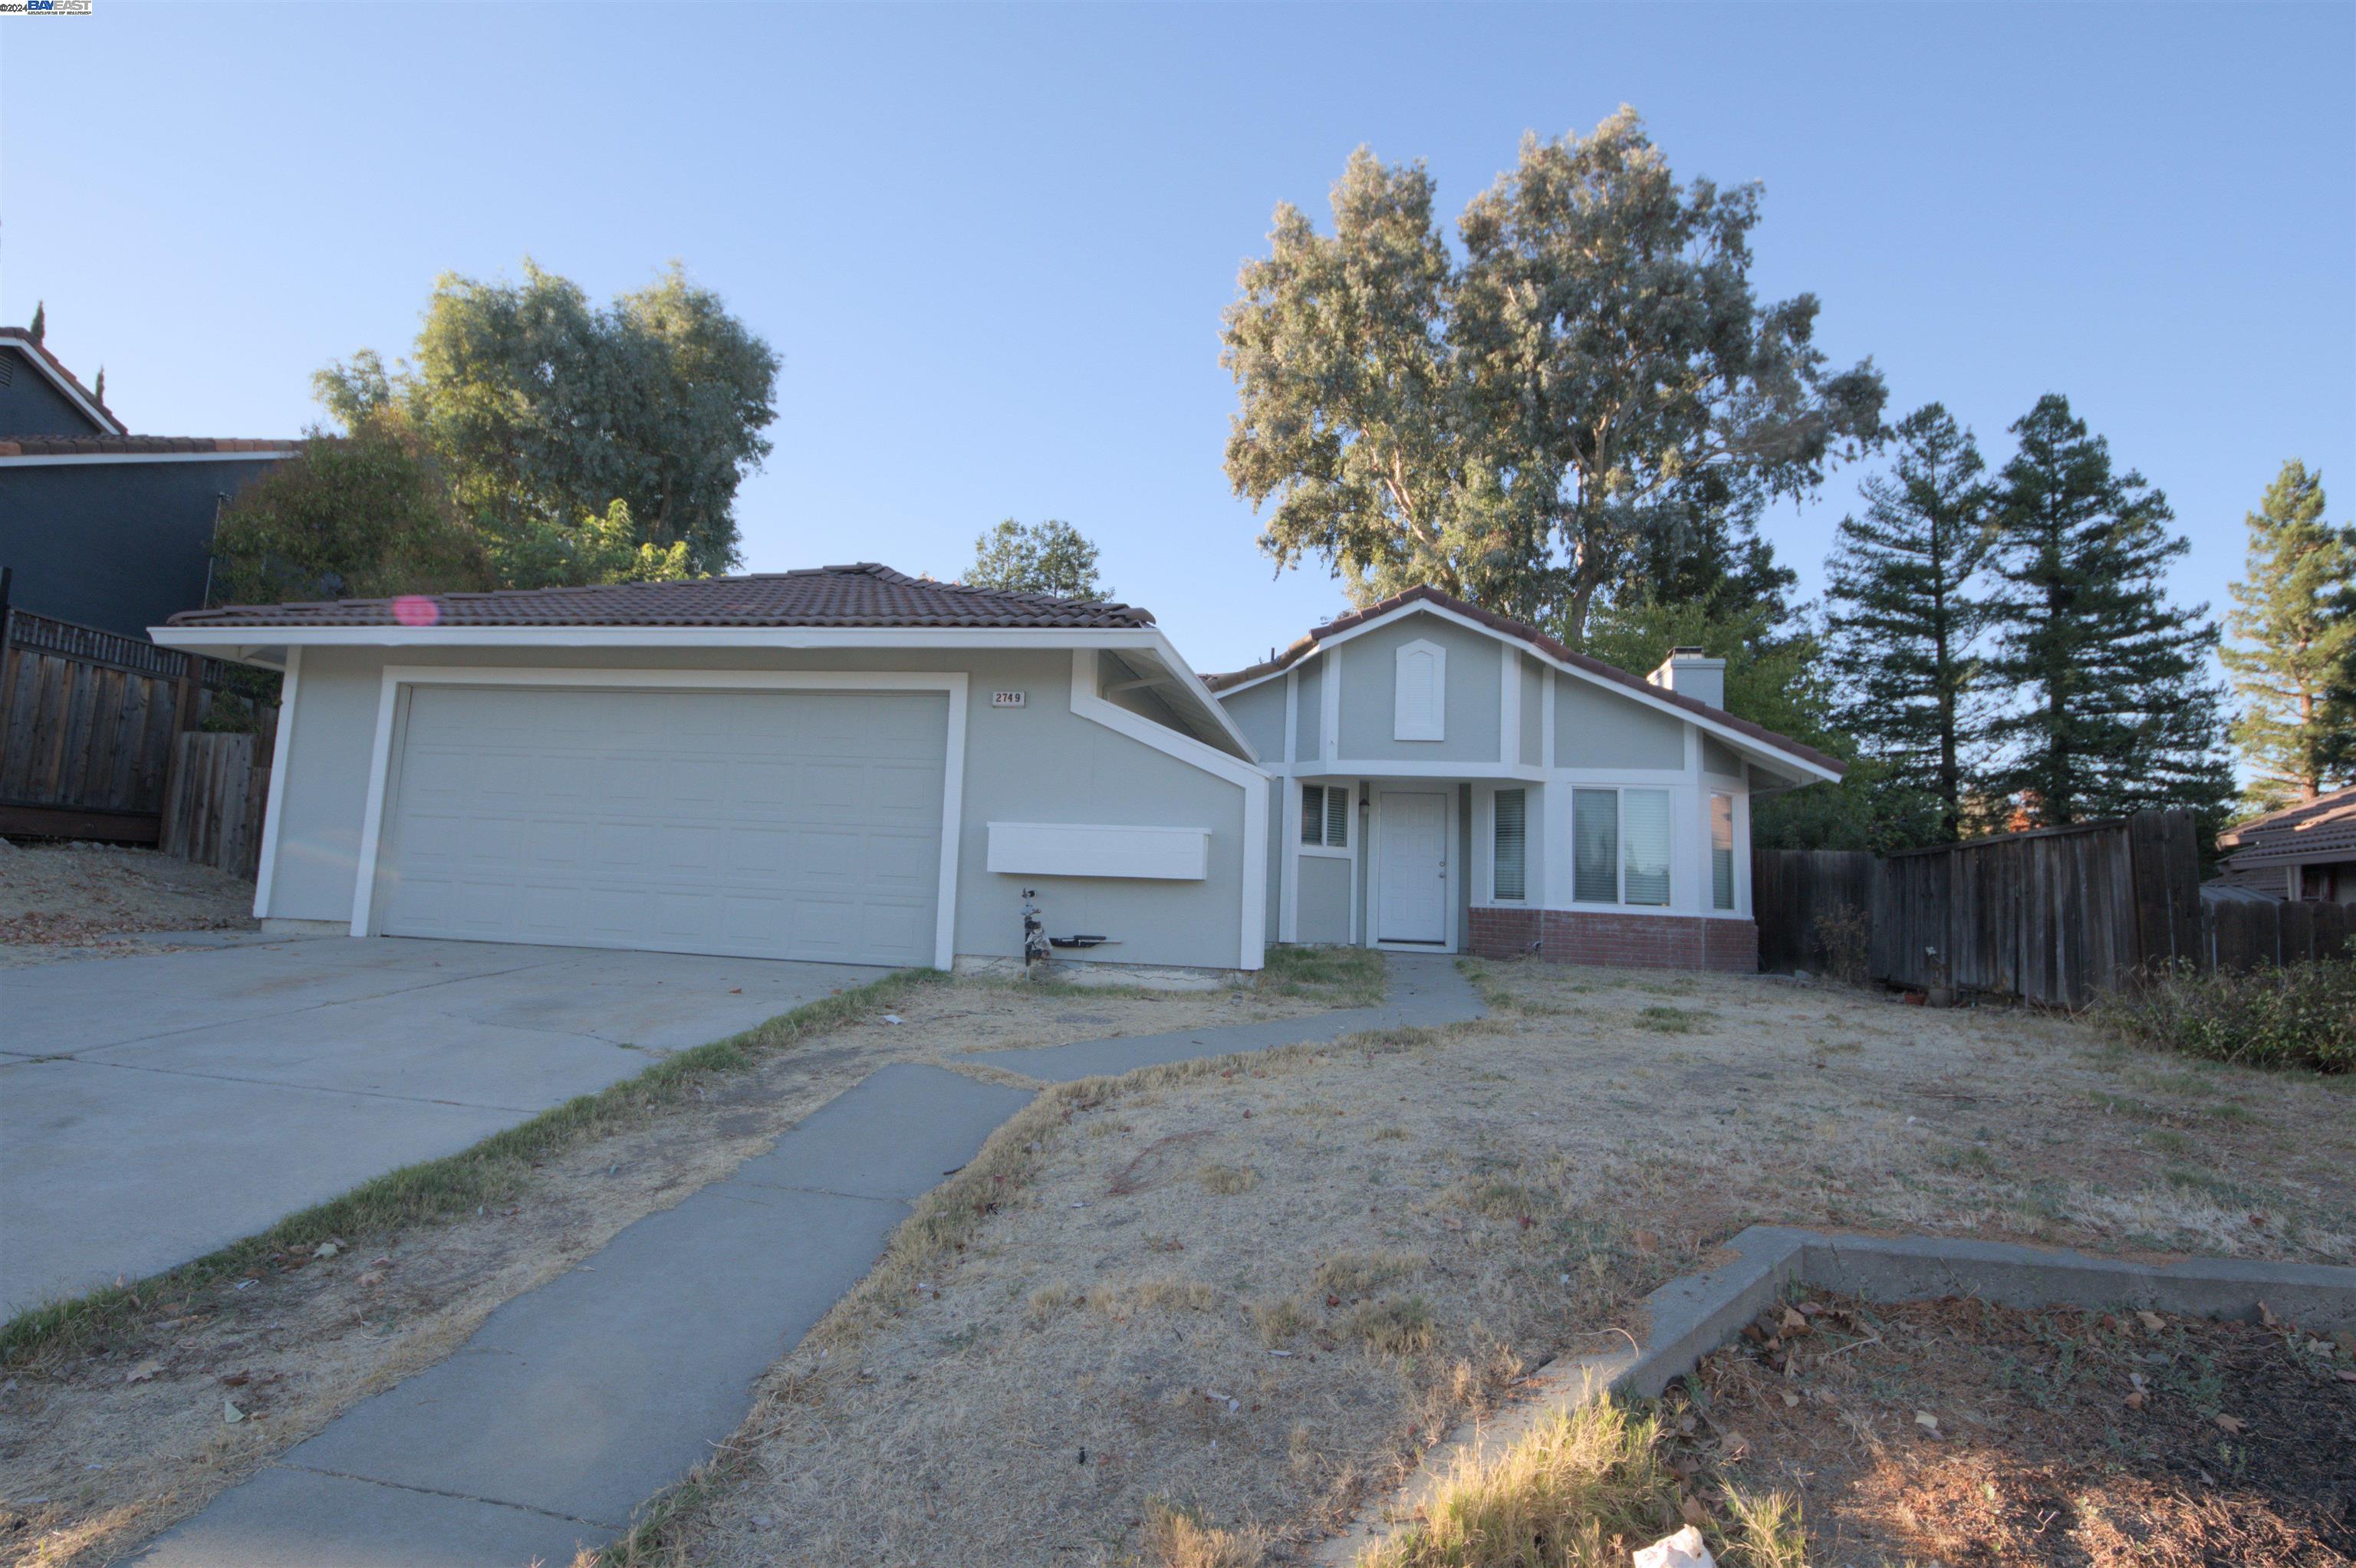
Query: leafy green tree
column 2116, row 713
column 543, row 411
column 40, row 324
column 362, row 515
column 1043, row 558
column 1905, row 613
column 1515, row 427
column 2296, row 610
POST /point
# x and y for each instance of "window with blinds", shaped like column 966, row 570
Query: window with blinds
column 1721, row 851
column 1325, row 815
column 1595, row 845
column 1644, row 846
column 1511, row 818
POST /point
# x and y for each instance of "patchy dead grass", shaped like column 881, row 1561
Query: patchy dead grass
column 295, row 1339
column 1481, row 1198
column 79, row 901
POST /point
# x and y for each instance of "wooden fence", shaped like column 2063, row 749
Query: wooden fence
column 212, row 814
column 2051, row 916
column 88, row 727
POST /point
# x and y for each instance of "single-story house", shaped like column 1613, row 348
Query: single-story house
column 100, row 527
column 1455, row 781
column 853, row 765
column 2302, row 851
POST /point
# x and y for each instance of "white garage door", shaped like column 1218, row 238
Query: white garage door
column 766, row 824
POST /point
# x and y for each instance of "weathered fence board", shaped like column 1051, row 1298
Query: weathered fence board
column 2053, row 916
column 213, row 813
column 87, row 725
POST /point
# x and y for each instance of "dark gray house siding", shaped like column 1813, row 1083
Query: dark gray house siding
column 116, row 545
column 31, row 405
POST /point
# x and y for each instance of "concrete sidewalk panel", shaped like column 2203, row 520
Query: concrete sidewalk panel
column 299, row 1518
column 587, row 1395
column 896, row 1134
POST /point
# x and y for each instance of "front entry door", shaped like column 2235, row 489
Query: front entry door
column 1413, row 868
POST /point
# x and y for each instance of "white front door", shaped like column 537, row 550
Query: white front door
column 1412, row 868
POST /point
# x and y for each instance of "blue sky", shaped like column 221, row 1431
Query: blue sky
column 992, row 243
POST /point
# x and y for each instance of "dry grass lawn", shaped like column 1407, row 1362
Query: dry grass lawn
column 1201, row 1315
column 103, row 1445
column 79, row 901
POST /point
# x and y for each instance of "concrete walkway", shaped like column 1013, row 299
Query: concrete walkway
column 576, row 1401
column 154, row 1107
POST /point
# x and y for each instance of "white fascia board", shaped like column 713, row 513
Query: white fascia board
column 1726, row 733
column 66, row 459
column 205, row 639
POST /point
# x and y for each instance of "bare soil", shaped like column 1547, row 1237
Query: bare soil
column 99, row 1451
column 1959, row 1432
column 1259, row 1292
column 82, row 901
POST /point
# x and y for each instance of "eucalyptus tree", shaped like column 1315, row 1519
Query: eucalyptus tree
column 1593, row 374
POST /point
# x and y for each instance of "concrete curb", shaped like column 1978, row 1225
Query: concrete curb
column 1693, row 1314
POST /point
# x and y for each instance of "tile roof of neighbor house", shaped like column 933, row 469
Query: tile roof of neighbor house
column 22, row 337
column 2321, row 829
column 863, row 595
column 135, row 445
column 1522, row 631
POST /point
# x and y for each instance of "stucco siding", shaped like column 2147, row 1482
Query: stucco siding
column 1716, row 757
column 1594, row 729
column 1039, row 762
column 1324, row 893
column 1259, row 714
column 1369, row 673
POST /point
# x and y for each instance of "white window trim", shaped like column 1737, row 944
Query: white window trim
column 399, row 679
column 1619, row 849
column 1409, row 727
column 1321, row 850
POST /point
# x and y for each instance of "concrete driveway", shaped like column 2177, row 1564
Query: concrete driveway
column 154, row 1108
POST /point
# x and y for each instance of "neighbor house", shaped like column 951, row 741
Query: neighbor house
column 1454, row 780
column 850, row 763
column 2303, row 851
column 100, row 527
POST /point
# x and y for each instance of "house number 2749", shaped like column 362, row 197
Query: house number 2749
column 1006, row 700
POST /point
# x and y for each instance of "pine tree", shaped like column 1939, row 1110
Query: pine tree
column 2297, row 611
column 98, row 389
column 41, row 327
column 2113, row 711
column 1904, row 615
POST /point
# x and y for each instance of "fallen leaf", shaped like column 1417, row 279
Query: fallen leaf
column 1690, row 1508
column 374, row 1277
column 1793, row 1323
column 1790, row 1399
column 236, row 1379
column 2267, row 1316
column 143, row 1371
column 231, row 1414
column 325, row 1250
column 2228, row 1423
column 1926, row 1420
column 2152, row 1321
column 2345, row 1376
column 1646, row 1241
column 2134, row 1399
column 1810, row 1309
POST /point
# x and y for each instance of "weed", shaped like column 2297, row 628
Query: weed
column 1399, row 1326
column 1181, row 1538
column 1663, row 1019
column 2288, row 1015
column 1349, row 977
column 1227, row 1180
column 1278, row 1321
column 1358, row 1273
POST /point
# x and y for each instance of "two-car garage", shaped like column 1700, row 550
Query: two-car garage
column 771, row 823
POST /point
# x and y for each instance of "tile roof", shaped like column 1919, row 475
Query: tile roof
column 22, row 337
column 1521, row 631
column 863, row 595
column 134, row 445
column 2321, row 829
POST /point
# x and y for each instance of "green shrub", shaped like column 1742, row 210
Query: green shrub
column 2298, row 1015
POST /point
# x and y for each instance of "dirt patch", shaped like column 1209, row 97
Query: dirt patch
column 80, row 900
column 100, row 1450
column 1433, row 1212
column 1964, row 1433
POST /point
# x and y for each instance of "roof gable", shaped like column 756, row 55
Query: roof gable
column 1520, row 633
column 47, row 365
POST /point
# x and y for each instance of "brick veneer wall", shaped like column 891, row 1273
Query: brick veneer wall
column 1593, row 937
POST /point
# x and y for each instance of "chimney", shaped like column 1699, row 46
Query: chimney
column 1689, row 672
